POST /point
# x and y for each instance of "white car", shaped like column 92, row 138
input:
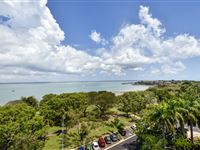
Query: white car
column 95, row 146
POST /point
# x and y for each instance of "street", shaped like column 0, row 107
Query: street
column 125, row 145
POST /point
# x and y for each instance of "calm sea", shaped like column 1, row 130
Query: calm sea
column 14, row 91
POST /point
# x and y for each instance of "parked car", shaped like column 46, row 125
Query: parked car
column 80, row 148
column 101, row 142
column 107, row 139
column 95, row 146
column 88, row 147
column 113, row 137
column 122, row 132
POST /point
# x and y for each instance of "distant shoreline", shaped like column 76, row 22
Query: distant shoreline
column 14, row 91
column 134, row 82
column 117, row 93
column 161, row 82
column 10, row 92
column 67, row 81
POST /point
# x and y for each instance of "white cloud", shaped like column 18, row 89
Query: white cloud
column 144, row 44
column 30, row 42
column 173, row 68
column 147, row 19
column 169, row 69
column 31, row 38
column 96, row 37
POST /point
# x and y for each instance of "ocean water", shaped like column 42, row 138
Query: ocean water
column 14, row 91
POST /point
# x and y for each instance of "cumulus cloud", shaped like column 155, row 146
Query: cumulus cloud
column 142, row 45
column 169, row 68
column 31, row 38
column 147, row 19
column 30, row 42
column 172, row 68
column 96, row 37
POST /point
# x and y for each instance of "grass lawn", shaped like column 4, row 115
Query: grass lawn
column 100, row 128
column 126, row 121
column 53, row 140
column 53, row 129
column 52, row 143
column 114, row 110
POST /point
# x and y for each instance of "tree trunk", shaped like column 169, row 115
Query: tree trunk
column 102, row 112
column 191, row 132
column 163, row 133
column 182, row 128
column 127, row 114
column 6, row 145
column 84, row 112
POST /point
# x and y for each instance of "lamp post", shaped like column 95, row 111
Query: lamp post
column 63, row 125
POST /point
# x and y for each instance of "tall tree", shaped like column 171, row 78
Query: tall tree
column 31, row 101
column 21, row 127
column 192, row 106
column 52, row 110
column 163, row 118
column 131, row 102
column 76, row 101
column 102, row 100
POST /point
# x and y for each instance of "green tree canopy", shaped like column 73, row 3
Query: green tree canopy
column 52, row 110
column 131, row 102
column 21, row 128
column 53, row 107
column 31, row 101
column 102, row 100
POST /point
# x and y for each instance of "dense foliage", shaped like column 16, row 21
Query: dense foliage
column 21, row 127
column 177, row 105
column 162, row 112
column 102, row 100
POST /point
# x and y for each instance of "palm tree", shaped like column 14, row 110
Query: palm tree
column 191, row 104
column 117, row 124
column 191, row 114
column 174, row 105
column 162, row 116
column 168, row 115
column 176, row 109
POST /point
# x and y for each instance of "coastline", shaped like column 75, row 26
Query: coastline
column 117, row 93
column 11, row 92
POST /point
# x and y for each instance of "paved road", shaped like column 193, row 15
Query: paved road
column 128, row 144
column 125, row 145
column 129, row 134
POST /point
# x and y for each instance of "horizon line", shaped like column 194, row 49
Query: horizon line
column 29, row 82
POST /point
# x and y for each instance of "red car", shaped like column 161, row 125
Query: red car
column 101, row 142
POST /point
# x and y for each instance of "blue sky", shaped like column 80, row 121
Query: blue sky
column 99, row 40
column 77, row 19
